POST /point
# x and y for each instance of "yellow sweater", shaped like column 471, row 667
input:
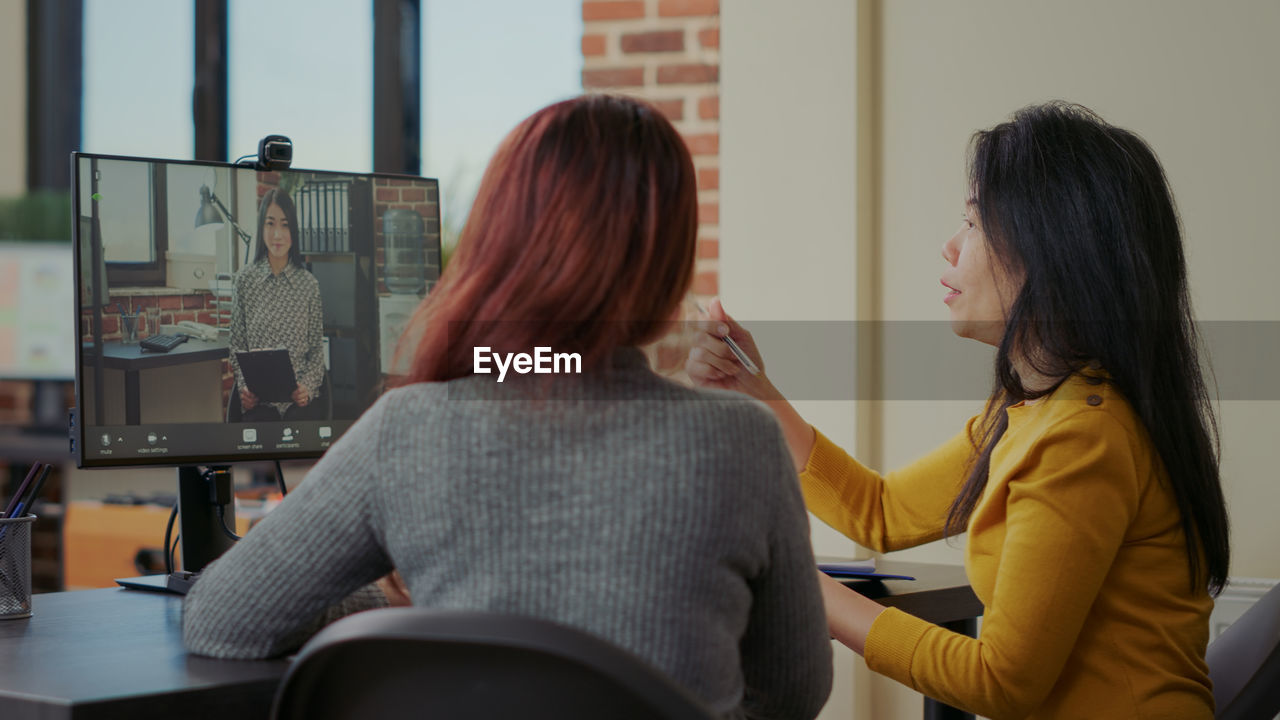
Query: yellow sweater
column 1075, row 550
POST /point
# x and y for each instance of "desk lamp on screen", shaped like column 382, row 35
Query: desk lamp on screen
column 313, row 312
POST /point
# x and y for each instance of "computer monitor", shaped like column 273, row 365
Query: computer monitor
column 288, row 291
column 36, row 326
column 36, row 336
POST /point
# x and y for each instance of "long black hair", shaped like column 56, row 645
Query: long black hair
column 277, row 196
column 1083, row 211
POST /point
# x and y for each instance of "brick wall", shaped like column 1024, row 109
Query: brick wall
column 165, row 308
column 667, row 52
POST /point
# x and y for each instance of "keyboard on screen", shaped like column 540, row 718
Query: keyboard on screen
column 162, row 343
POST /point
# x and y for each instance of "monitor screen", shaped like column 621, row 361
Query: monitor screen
column 36, row 320
column 229, row 314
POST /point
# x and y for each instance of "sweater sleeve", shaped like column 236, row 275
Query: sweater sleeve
column 303, row 565
column 786, row 653
column 904, row 508
column 1068, row 507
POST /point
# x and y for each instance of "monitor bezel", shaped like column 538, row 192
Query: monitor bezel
column 80, row 426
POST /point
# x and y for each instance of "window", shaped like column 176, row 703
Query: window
column 303, row 69
column 138, row 75
column 487, row 65
column 133, row 243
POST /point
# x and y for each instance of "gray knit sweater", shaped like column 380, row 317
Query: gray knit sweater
column 666, row 520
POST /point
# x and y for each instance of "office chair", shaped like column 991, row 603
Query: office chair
column 1244, row 663
column 424, row 663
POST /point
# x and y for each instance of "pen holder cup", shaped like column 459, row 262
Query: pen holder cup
column 129, row 328
column 15, row 567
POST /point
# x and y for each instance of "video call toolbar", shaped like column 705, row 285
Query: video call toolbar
column 129, row 444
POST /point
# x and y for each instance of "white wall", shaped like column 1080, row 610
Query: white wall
column 13, row 98
column 787, row 187
column 1197, row 80
column 808, row 233
column 788, row 171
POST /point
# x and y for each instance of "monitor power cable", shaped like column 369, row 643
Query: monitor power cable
column 171, row 541
column 169, row 549
column 217, row 499
column 280, row 480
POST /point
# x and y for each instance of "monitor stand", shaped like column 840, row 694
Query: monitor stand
column 201, row 491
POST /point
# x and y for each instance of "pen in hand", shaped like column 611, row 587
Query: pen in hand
column 738, row 352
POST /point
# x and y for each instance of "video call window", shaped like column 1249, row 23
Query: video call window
column 288, row 291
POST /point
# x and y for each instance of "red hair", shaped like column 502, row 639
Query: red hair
column 581, row 238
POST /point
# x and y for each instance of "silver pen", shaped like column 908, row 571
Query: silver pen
column 742, row 356
column 733, row 346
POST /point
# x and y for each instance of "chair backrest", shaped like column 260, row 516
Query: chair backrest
column 423, row 663
column 1244, row 662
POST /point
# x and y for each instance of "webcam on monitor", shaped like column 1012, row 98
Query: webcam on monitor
column 275, row 152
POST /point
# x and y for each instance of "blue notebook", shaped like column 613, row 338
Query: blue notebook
column 858, row 569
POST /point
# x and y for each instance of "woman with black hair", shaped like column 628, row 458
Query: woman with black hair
column 277, row 305
column 1089, row 487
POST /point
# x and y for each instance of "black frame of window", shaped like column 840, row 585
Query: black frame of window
column 209, row 96
column 55, row 75
column 397, row 83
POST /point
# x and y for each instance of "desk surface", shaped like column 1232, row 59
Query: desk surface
column 115, row 653
column 118, row 653
column 939, row 594
column 132, row 357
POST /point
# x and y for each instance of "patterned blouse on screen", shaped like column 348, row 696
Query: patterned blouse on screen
column 279, row 311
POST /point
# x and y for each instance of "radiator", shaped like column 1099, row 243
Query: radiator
column 1239, row 595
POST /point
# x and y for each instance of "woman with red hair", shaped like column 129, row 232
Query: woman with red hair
column 663, row 519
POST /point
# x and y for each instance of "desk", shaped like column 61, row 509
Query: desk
column 132, row 359
column 115, row 653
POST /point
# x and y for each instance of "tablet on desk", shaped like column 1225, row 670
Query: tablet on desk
column 856, row 570
column 177, row 582
column 154, row 583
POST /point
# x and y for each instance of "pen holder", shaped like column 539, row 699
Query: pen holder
column 15, row 567
column 129, row 328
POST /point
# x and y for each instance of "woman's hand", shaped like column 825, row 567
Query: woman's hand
column 300, row 396
column 849, row 614
column 247, row 399
column 392, row 585
column 711, row 363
